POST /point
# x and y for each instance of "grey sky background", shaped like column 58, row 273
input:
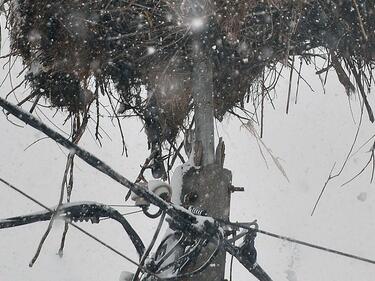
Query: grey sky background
column 317, row 133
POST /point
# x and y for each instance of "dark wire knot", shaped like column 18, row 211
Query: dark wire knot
column 247, row 248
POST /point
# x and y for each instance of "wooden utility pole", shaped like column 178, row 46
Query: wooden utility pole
column 210, row 184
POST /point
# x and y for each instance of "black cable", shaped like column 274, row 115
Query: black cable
column 182, row 257
column 77, row 227
column 149, row 248
column 123, row 214
column 289, row 239
column 97, row 163
column 253, row 267
column 149, row 215
column 329, row 250
column 204, row 265
column 80, row 212
column 185, row 217
column 123, row 206
column 170, row 251
column 231, row 268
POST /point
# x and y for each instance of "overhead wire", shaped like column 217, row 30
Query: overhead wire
column 240, row 225
column 202, row 267
column 80, row 229
column 300, row 242
column 123, row 206
column 172, row 210
column 149, row 248
column 329, row 250
column 123, row 214
column 97, row 163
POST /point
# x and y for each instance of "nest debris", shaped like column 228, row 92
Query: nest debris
column 129, row 44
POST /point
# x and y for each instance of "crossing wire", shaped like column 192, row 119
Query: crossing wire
column 293, row 240
column 171, row 209
column 79, row 228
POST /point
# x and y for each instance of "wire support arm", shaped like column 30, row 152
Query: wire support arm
column 253, row 267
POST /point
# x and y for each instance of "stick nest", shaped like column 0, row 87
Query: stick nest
column 69, row 45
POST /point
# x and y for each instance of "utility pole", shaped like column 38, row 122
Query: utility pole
column 210, row 184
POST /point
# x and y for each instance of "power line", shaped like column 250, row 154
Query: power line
column 307, row 244
column 96, row 163
column 241, row 225
column 122, row 206
column 80, row 229
column 124, row 214
column 333, row 251
column 172, row 210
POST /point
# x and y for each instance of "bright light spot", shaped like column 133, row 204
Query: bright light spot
column 151, row 50
column 169, row 17
column 197, row 23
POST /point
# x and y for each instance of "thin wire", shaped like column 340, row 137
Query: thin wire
column 96, row 163
column 231, row 268
column 124, row 214
column 122, row 206
column 333, row 251
column 289, row 239
column 80, row 229
column 204, row 265
column 152, row 243
column 274, row 235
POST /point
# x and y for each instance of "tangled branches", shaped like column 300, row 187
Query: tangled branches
column 76, row 50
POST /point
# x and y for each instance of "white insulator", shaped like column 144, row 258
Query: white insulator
column 160, row 188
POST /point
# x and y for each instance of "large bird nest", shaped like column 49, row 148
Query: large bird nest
column 76, row 49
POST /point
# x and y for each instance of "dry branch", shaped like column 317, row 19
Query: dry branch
column 96, row 163
column 126, row 44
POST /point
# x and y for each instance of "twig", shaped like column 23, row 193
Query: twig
column 97, row 134
column 363, row 145
column 15, row 88
column 360, row 20
column 362, row 90
column 364, row 168
column 148, row 250
column 124, row 148
column 330, row 177
column 78, row 131
column 78, row 228
column 52, row 123
column 290, row 85
column 35, row 103
column 98, row 164
column 144, row 167
column 29, row 97
column 262, row 108
column 49, row 227
column 69, row 165
column 298, row 80
column 177, row 153
column 34, row 142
